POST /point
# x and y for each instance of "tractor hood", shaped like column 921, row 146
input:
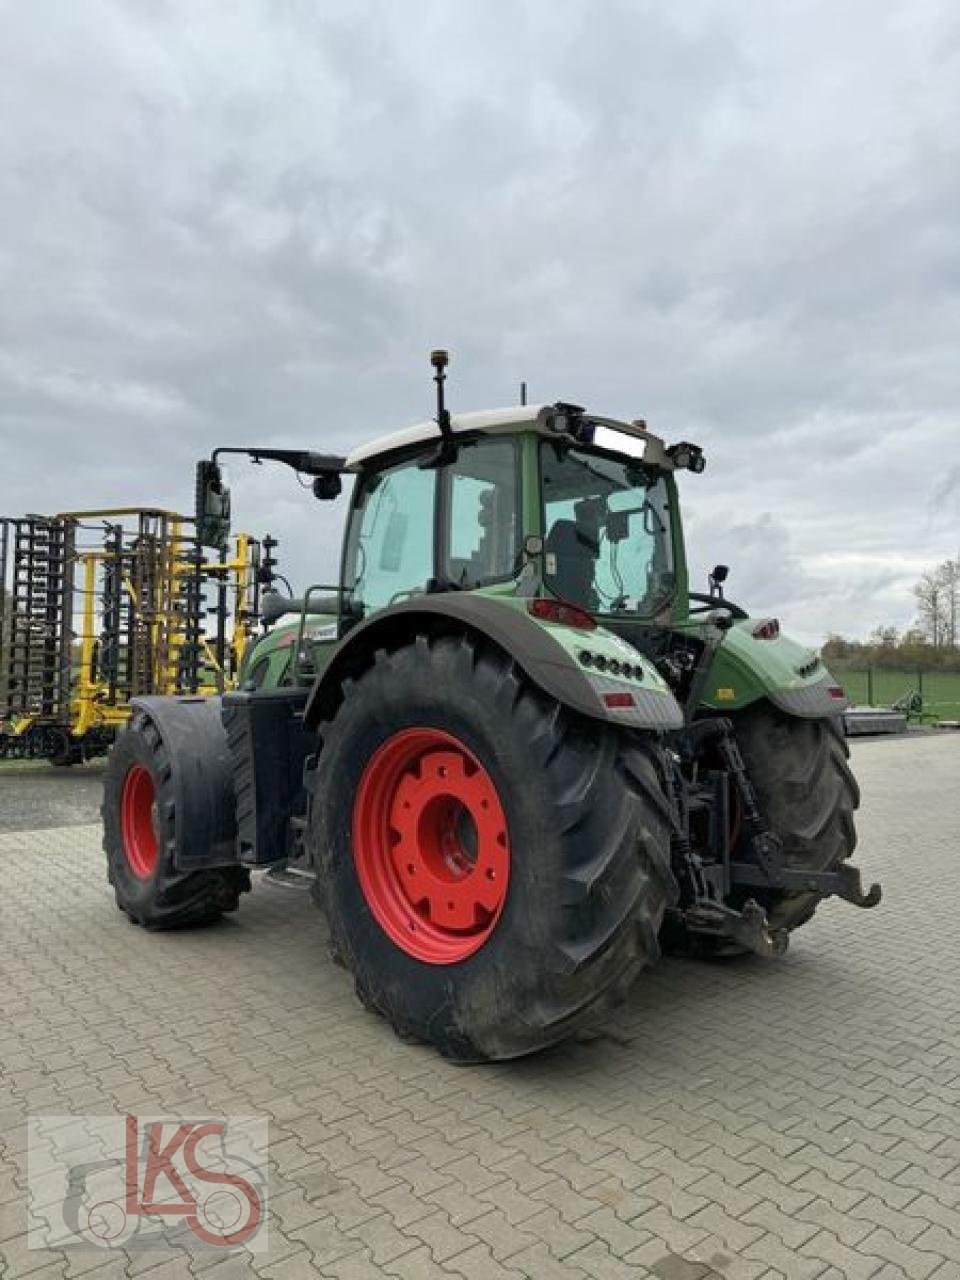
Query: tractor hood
column 269, row 660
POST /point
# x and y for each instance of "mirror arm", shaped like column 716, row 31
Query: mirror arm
column 308, row 464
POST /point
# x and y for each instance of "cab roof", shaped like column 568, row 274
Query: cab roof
column 527, row 417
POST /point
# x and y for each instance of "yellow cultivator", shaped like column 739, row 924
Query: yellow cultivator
column 99, row 607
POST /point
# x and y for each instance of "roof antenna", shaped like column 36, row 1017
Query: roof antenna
column 440, row 359
column 447, row 449
column 523, row 393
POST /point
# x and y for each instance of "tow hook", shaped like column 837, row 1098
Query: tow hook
column 850, row 887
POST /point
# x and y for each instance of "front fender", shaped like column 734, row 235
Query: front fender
column 549, row 655
column 201, row 771
column 792, row 677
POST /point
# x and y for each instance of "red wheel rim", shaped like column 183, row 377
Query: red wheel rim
column 137, row 822
column 431, row 846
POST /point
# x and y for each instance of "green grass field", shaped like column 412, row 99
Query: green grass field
column 940, row 689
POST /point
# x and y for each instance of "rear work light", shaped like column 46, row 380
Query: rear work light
column 769, row 629
column 567, row 615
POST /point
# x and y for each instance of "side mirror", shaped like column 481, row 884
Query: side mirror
column 327, row 487
column 212, row 508
column 718, row 576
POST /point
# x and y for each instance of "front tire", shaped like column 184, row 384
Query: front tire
column 807, row 794
column 139, row 839
column 494, row 869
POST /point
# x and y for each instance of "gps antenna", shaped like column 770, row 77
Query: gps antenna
column 440, row 360
column 447, row 449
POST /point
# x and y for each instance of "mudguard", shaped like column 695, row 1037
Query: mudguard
column 201, row 771
column 269, row 746
column 558, row 659
column 745, row 669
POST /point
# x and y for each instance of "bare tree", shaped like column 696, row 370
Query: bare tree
column 931, row 603
column 884, row 637
column 949, row 575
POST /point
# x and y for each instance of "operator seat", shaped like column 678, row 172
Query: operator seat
column 576, row 558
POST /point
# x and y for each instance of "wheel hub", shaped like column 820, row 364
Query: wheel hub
column 431, row 845
column 138, row 822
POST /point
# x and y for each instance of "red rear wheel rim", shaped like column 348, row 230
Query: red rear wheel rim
column 431, row 846
column 138, row 822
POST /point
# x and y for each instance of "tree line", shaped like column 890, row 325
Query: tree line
column 931, row 643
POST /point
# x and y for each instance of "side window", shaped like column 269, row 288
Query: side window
column 391, row 543
column 482, row 514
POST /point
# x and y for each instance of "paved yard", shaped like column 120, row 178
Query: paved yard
column 746, row 1120
column 35, row 796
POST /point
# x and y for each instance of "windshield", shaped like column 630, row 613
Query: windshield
column 607, row 531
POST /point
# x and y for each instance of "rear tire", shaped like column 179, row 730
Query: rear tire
column 807, row 794
column 139, row 839
column 583, row 846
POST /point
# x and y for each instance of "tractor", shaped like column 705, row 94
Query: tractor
column 517, row 754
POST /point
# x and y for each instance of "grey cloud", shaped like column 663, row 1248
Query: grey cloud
column 251, row 221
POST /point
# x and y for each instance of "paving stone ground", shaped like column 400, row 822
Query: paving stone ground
column 747, row 1120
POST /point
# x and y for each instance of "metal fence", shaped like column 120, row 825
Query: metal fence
column 883, row 687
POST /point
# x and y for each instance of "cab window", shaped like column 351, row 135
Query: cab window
column 481, row 543
column 392, row 531
column 608, row 546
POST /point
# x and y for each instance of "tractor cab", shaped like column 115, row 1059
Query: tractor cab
column 524, row 502
column 529, row 500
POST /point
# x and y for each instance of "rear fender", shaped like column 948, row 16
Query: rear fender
column 745, row 669
column 550, row 655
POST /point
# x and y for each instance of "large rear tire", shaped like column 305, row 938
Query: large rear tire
column 139, row 839
column 494, row 869
column 807, row 794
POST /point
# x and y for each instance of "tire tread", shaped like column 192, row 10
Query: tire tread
column 608, row 818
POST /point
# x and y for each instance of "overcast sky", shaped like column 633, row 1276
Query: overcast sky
column 249, row 222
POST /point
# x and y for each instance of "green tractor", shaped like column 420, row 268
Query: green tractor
column 519, row 756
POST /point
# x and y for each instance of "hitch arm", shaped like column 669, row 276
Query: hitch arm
column 748, row 928
column 771, row 869
column 844, row 882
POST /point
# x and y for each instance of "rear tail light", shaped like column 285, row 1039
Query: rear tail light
column 619, row 700
column 567, row 615
column 835, row 691
column 769, row 629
